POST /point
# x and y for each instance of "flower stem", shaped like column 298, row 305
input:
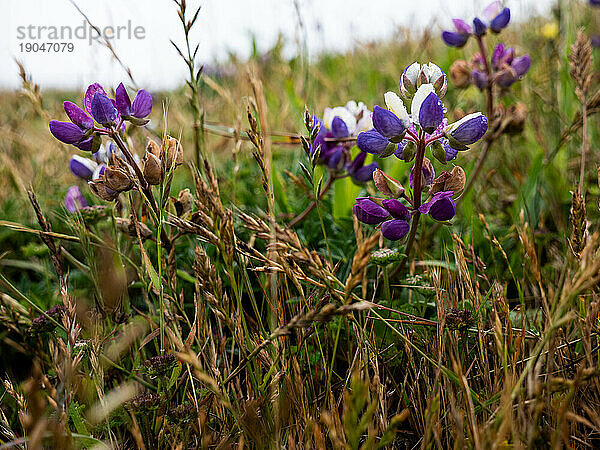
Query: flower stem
column 490, row 116
column 143, row 183
column 416, row 202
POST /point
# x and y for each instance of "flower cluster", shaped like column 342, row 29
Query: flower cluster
column 109, row 113
column 408, row 136
column 505, row 67
column 335, row 138
column 396, row 132
column 113, row 168
column 495, row 18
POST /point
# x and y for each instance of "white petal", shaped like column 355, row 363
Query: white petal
column 421, row 94
column 433, row 72
column 412, row 72
column 365, row 123
column 396, row 105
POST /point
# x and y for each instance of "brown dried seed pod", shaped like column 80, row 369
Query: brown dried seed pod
column 450, row 181
column 117, row 179
column 127, row 226
column 154, row 148
column 184, row 202
column 153, row 172
column 173, row 153
column 98, row 187
column 460, row 74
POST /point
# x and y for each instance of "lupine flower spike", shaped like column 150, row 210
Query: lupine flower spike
column 334, row 141
column 407, row 136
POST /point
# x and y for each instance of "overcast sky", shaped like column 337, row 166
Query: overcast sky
column 223, row 26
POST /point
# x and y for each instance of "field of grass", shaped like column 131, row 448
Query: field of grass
column 200, row 318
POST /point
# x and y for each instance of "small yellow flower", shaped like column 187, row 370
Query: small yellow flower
column 550, row 30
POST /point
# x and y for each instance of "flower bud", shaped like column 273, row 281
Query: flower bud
column 116, row 179
column 394, row 230
column 409, row 152
column 388, row 124
column 409, row 80
column 386, row 184
column 480, row 79
column 396, row 208
column 441, row 207
column 467, row 130
column 438, row 151
column 427, row 173
column 460, row 74
column 153, row 172
column 427, row 109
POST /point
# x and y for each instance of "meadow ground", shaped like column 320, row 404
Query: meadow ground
column 216, row 317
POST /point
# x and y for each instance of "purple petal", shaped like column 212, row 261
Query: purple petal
column 142, row 104
column 479, row 27
column 394, row 230
column 431, row 113
column 369, row 212
column 396, row 208
column 479, row 79
column 471, row 130
column 400, row 150
column 386, row 122
column 82, row 167
column 86, row 145
column 365, row 173
column 461, row 26
column 500, row 21
column 521, row 65
column 372, row 142
column 103, row 110
column 334, row 158
column 78, row 116
column 454, row 39
column 66, row 132
column 441, row 207
column 122, row 102
column 74, row 200
column 497, row 56
column 451, row 153
column 357, row 162
column 339, row 129
column 89, row 95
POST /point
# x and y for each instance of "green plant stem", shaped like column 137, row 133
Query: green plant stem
column 416, row 203
column 300, row 217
